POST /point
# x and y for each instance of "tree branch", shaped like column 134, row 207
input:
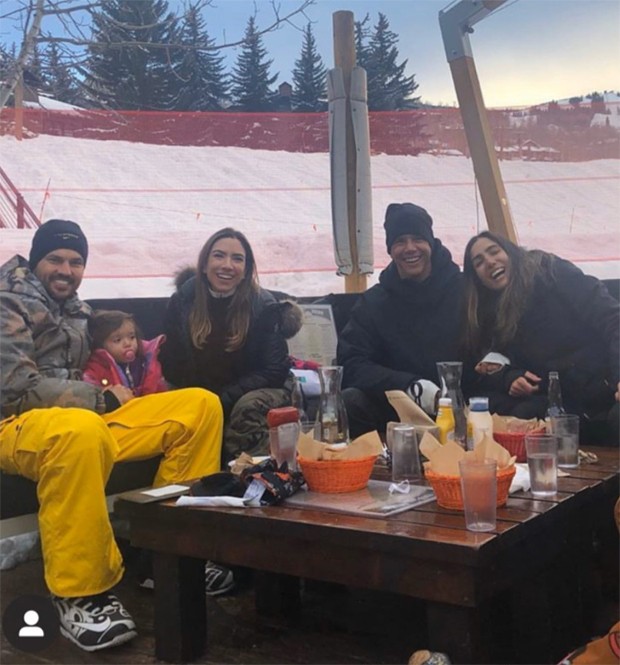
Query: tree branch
column 26, row 49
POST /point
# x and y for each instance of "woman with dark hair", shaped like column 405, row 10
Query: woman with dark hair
column 538, row 313
column 226, row 334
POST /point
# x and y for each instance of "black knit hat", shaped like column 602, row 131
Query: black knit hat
column 57, row 234
column 407, row 218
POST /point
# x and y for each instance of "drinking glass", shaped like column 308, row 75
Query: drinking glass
column 566, row 428
column 479, row 489
column 405, row 454
column 283, row 444
column 542, row 460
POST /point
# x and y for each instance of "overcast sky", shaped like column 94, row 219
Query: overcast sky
column 526, row 52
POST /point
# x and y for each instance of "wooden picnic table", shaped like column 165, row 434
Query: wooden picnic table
column 489, row 596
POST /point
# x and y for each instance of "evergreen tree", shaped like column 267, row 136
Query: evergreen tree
column 388, row 87
column 309, row 77
column 123, row 71
column 250, row 78
column 35, row 76
column 203, row 84
column 60, row 82
column 362, row 51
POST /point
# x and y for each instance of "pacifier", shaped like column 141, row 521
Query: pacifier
column 129, row 356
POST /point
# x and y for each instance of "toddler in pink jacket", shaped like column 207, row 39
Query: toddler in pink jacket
column 121, row 357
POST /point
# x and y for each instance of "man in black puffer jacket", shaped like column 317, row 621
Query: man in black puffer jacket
column 401, row 327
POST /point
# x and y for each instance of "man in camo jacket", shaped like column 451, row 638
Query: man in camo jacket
column 66, row 434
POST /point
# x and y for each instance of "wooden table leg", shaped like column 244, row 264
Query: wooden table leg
column 180, row 607
column 277, row 595
column 459, row 633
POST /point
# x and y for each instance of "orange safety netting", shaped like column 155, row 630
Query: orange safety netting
column 554, row 134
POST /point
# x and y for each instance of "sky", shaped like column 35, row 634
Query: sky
column 526, row 52
column 147, row 209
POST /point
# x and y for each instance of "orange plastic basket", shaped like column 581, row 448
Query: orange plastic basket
column 337, row 476
column 448, row 488
column 514, row 442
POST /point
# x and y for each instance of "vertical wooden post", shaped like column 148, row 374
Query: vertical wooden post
column 481, row 147
column 19, row 108
column 345, row 58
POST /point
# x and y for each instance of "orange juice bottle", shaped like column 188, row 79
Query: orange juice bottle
column 445, row 420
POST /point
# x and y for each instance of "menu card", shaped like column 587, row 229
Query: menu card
column 317, row 339
column 373, row 501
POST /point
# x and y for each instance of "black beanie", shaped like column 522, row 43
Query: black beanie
column 57, row 234
column 407, row 218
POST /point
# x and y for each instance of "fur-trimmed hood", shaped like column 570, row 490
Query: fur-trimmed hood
column 290, row 315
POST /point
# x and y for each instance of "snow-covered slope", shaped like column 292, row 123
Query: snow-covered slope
column 148, row 209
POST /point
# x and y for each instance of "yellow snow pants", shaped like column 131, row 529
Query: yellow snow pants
column 70, row 453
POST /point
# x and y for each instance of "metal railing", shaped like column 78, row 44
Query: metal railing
column 15, row 213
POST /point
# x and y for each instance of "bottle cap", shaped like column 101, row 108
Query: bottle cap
column 445, row 401
column 478, row 403
column 285, row 414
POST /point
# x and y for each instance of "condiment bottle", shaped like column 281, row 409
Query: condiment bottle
column 480, row 419
column 445, row 420
column 554, row 396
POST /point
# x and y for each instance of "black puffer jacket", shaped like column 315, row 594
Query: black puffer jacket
column 263, row 361
column 571, row 325
column 400, row 328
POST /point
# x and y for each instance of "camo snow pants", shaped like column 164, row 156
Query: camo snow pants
column 246, row 430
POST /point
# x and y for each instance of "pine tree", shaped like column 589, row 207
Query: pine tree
column 388, row 87
column 59, row 79
column 250, row 78
column 309, row 77
column 361, row 42
column 203, row 84
column 35, row 75
column 123, row 72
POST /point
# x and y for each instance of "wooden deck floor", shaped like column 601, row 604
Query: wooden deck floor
column 336, row 626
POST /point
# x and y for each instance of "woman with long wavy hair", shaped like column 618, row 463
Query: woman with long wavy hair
column 228, row 335
column 537, row 313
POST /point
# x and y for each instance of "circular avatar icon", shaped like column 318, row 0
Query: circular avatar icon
column 30, row 623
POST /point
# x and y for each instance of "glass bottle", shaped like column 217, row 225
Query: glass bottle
column 445, row 420
column 333, row 422
column 450, row 373
column 298, row 401
column 554, row 396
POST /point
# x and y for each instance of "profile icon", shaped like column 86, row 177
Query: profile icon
column 30, row 629
column 30, row 623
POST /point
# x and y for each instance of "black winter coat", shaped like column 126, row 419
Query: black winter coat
column 262, row 362
column 571, row 324
column 399, row 329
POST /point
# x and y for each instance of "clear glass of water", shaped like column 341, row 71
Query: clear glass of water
column 542, row 461
column 566, row 428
